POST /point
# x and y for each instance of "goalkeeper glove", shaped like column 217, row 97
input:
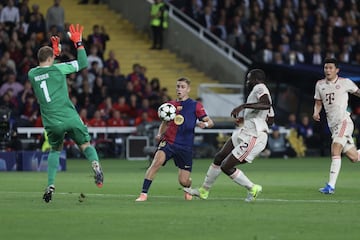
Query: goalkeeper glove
column 55, row 41
column 75, row 34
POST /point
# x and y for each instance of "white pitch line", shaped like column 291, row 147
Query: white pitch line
column 212, row 198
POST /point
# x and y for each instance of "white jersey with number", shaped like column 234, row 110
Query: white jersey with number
column 335, row 96
column 255, row 119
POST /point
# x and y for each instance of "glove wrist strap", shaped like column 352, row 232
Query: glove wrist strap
column 79, row 44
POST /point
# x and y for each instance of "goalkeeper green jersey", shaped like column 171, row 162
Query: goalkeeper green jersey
column 50, row 87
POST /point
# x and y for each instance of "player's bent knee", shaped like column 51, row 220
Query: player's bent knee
column 219, row 157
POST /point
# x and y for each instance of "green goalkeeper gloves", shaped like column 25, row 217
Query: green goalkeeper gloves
column 55, row 41
column 75, row 34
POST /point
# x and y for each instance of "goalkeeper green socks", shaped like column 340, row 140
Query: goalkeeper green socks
column 53, row 165
column 91, row 154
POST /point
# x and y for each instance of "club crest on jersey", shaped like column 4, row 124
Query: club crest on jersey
column 162, row 144
column 179, row 119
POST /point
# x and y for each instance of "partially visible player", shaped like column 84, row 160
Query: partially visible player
column 246, row 142
column 58, row 114
column 177, row 138
column 332, row 92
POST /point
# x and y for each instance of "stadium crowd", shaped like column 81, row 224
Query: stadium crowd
column 102, row 94
column 283, row 31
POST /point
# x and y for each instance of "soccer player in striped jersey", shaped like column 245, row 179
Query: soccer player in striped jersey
column 58, row 114
column 177, row 138
column 246, row 142
column 332, row 93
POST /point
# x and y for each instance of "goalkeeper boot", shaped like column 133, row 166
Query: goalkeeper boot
column 327, row 189
column 142, row 197
column 48, row 193
column 200, row 192
column 253, row 193
column 99, row 176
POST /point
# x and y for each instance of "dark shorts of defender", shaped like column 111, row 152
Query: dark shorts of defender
column 73, row 127
column 182, row 155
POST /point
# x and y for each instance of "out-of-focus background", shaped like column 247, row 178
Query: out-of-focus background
column 212, row 42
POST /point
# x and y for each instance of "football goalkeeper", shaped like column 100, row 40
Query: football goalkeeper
column 59, row 115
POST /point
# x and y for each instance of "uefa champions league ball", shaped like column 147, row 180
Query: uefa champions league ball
column 167, row 112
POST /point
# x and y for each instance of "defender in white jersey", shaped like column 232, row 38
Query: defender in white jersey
column 332, row 92
column 246, row 142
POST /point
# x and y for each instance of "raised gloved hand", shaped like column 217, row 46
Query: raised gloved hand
column 75, row 34
column 55, row 41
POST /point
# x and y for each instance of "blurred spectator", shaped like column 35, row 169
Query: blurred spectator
column 8, row 100
column 84, row 116
column 24, row 94
column 278, row 145
column 111, row 67
column 9, row 62
column 24, row 10
column 207, row 18
column 28, row 62
column 55, row 17
column 106, row 108
column 99, row 90
column 37, row 24
column 29, row 111
column 97, row 121
column 306, row 130
column 15, row 51
column 137, row 79
column 143, row 119
column 116, row 120
column 12, row 84
column 84, row 82
column 94, row 57
column 193, row 8
column 99, row 37
column 251, row 46
column 10, row 17
column 134, row 105
column 145, row 107
column 122, row 106
column 75, row 102
column 112, row 75
column 292, row 122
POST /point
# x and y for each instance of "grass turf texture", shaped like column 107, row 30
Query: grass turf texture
column 290, row 206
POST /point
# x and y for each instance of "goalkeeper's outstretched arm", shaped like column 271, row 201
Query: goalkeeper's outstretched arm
column 75, row 35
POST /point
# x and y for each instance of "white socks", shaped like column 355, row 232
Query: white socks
column 334, row 170
column 211, row 175
column 240, row 178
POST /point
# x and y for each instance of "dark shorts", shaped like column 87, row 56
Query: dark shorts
column 182, row 156
column 74, row 128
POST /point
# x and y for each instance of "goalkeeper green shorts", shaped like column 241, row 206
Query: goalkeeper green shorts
column 73, row 127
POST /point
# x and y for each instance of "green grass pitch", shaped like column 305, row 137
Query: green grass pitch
column 290, row 206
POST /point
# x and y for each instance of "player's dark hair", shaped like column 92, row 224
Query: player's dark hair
column 44, row 53
column 331, row 60
column 184, row 79
column 258, row 74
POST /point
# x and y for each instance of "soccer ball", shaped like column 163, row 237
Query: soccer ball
column 167, row 112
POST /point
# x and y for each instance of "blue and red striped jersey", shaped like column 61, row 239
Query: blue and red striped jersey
column 181, row 130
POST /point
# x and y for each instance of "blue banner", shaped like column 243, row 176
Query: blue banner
column 37, row 161
column 8, row 161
